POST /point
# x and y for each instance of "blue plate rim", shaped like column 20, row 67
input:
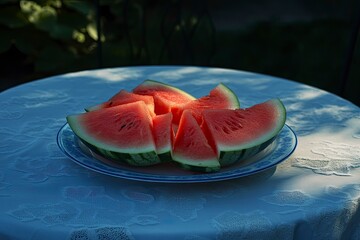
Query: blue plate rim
column 196, row 178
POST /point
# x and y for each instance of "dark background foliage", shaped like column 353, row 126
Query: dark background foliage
column 309, row 41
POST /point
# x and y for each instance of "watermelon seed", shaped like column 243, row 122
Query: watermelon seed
column 229, row 122
column 234, row 125
column 239, row 115
column 134, row 124
column 226, row 130
column 128, row 124
column 234, row 128
column 122, row 127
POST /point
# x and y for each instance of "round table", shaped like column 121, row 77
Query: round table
column 313, row 194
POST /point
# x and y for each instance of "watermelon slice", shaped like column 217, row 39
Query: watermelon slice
column 191, row 148
column 163, row 135
column 124, row 97
column 165, row 96
column 241, row 133
column 158, row 122
column 122, row 132
column 221, row 97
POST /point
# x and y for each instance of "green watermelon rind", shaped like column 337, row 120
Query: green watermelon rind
column 95, row 107
column 149, row 82
column 140, row 159
column 210, row 165
column 110, row 103
column 228, row 158
column 199, row 168
column 231, row 155
column 82, row 134
column 165, row 156
column 234, row 100
column 134, row 156
column 164, row 152
column 149, row 155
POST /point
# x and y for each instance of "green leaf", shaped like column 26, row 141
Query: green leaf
column 44, row 19
column 83, row 7
column 55, row 3
column 12, row 17
column 79, row 36
column 29, row 7
column 92, row 31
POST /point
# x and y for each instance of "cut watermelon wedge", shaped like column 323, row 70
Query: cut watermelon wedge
column 191, row 148
column 242, row 133
column 163, row 135
column 165, row 96
column 221, row 97
column 123, row 132
column 124, row 97
column 158, row 122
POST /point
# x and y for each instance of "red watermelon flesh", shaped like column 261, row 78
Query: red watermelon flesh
column 221, row 97
column 165, row 96
column 200, row 134
column 191, row 147
column 124, row 97
column 242, row 129
column 163, row 135
column 124, row 128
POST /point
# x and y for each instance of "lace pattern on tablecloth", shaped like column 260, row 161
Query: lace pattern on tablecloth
column 314, row 194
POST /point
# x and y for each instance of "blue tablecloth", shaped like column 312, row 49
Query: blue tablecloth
column 314, row 194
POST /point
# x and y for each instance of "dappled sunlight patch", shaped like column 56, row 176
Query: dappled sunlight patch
column 294, row 106
column 254, row 81
column 225, row 71
column 330, row 158
column 305, row 119
column 309, row 93
column 109, row 74
column 203, row 81
column 335, row 111
column 199, row 76
column 40, row 98
column 175, row 74
column 329, row 150
column 288, row 198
